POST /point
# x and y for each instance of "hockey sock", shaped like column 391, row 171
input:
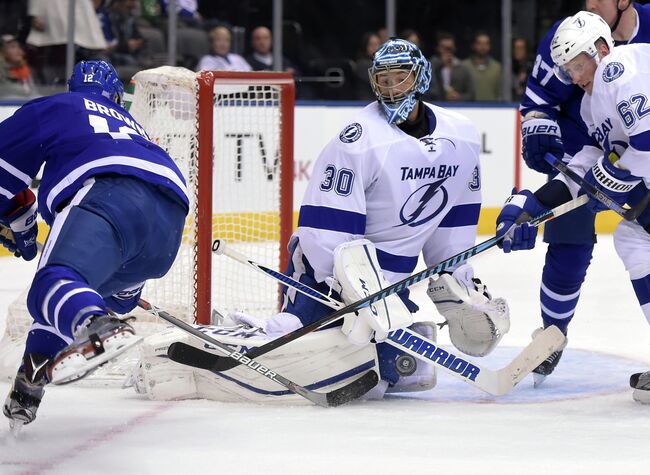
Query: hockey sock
column 60, row 298
column 564, row 272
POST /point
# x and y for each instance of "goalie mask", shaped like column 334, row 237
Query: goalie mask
column 96, row 77
column 399, row 75
column 576, row 35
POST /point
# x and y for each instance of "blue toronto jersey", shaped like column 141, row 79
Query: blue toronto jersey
column 561, row 102
column 77, row 136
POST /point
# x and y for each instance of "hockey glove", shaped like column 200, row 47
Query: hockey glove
column 540, row 136
column 21, row 221
column 511, row 223
column 612, row 181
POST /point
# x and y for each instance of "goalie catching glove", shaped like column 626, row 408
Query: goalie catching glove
column 477, row 322
column 357, row 271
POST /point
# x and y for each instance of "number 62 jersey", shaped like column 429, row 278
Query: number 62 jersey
column 617, row 113
column 77, row 136
column 406, row 195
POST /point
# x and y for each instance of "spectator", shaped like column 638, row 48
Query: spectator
column 49, row 35
column 188, row 13
column 105, row 22
column 221, row 59
column 412, row 36
column 383, row 35
column 522, row 65
column 261, row 58
column 15, row 74
column 451, row 80
column 126, row 32
column 370, row 43
column 485, row 70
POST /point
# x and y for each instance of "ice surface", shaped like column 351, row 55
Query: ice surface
column 582, row 420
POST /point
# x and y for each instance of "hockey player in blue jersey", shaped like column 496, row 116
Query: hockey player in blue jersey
column 116, row 205
column 401, row 179
column 551, row 123
column 615, row 110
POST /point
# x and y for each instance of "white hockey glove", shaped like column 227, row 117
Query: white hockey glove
column 477, row 322
column 275, row 326
column 357, row 270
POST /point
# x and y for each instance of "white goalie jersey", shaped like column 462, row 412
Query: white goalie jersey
column 405, row 195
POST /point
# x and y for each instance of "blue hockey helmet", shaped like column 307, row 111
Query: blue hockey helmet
column 96, row 77
column 398, row 100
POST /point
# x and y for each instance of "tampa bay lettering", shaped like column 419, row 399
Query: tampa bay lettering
column 441, row 171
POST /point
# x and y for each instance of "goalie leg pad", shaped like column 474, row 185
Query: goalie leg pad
column 323, row 360
column 476, row 322
column 357, row 270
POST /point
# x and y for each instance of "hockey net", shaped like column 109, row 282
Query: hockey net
column 231, row 134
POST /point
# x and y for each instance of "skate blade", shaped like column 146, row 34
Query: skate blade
column 641, row 395
column 15, row 427
column 75, row 365
column 538, row 379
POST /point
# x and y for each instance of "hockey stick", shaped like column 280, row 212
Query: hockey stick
column 224, row 363
column 342, row 395
column 628, row 214
column 497, row 382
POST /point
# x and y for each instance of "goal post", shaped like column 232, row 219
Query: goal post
column 239, row 171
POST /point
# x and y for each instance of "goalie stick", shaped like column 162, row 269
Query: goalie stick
column 223, row 364
column 497, row 382
column 337, row 397
column 628, row 214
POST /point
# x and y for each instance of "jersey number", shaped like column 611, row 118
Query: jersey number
column 639, row 103
column 100, row 126
column 340, row 181
column 540, row 64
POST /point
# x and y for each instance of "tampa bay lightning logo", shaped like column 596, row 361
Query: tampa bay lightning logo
column 612, row 71
column 424, row 204
column 579, row 22
column 351, row 133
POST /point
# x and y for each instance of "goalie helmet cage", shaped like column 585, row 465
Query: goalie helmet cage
column 231, row 133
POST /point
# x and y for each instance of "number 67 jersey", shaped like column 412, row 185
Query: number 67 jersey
column 404, row 194
column 77, row 136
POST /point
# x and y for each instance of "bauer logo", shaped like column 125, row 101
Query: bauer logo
column 351, row 133
column 613, row 71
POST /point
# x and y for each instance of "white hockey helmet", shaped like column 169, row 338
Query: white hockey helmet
column 576, row 35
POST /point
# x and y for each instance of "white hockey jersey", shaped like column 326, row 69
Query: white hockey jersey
column 618, row 112
column 406, row 195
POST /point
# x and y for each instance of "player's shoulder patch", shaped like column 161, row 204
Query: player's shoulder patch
column 613, row 71
column 351, row 133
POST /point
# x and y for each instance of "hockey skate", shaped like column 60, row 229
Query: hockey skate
column 548, row 365
column 641, row 384
column 27, row 391
column 100, row 340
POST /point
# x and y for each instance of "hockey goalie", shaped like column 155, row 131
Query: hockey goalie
column 330, row 358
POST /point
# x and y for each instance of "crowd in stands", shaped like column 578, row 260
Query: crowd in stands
column 132, row 34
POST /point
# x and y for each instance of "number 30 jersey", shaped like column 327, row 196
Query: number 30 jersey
column 77, row 136
column 406, row 195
